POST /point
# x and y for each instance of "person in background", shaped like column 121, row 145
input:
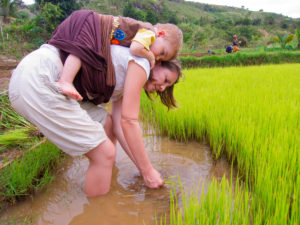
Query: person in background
column 235, row 44
column 160, row 42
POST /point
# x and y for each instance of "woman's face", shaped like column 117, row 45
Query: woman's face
column 160, row 78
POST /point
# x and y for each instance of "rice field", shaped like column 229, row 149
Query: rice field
column 27, row 160
column 251, row 115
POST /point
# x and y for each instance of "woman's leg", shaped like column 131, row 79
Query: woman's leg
column 102, row 158
column 109, row 129
column 98, row 176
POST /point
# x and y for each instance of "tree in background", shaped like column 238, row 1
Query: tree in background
column 297, row 35
column 130, row 11
column 269, row 20
column 284, row 39
column 50, row 15
column 66, row 6
column 151, row 16
column 8, row 8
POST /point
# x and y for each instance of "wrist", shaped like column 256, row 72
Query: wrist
column 146, row 170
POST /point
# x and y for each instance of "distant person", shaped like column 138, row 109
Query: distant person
column 160, row 42
column 235, row 41
column 235, row 44
column 229, row 49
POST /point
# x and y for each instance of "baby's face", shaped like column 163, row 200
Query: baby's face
column 162, row 49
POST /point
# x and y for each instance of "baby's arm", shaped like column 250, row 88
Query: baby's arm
column 139, row 50
column 70, row 69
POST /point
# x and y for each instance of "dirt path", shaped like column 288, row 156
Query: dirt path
column 6, row 66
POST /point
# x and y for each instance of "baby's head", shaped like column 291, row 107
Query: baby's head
column 167, row 42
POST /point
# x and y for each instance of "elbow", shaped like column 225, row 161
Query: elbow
column 134, row 51
column 124, row 124
column 136, row 48
column 127, row 124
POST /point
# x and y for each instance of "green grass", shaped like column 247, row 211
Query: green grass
column 241, row 59
column 29, row 174
column 32, row 170
column 221, row 202
column 251, row 114
column 9, row 117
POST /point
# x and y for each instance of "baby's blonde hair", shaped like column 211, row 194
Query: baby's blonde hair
column 173, row 34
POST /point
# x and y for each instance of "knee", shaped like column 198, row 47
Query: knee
column 105, row 152
column 110, row 152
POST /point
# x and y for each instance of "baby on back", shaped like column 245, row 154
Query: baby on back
column 160, row 42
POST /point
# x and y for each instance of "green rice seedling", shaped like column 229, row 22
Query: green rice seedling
column 252, row 115
column 241, row 59
column 9, row 117
column 29, row 174
column 216, row 204
column 17, row 138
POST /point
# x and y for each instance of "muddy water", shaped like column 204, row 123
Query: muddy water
column 129, row 201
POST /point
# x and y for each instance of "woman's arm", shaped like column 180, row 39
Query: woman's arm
column 117, row 129
column 135, row 80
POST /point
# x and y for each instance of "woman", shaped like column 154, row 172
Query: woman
column 74, row 126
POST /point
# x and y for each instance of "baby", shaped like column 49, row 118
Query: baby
column 160, row 42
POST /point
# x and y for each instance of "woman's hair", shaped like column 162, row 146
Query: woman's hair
column 166, row 96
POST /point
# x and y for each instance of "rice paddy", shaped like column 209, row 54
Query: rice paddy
column 27, row 160
column 251, row 115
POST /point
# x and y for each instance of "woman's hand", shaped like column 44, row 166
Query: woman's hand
column 153, row 179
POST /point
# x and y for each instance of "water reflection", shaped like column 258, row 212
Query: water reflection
column 129, row 201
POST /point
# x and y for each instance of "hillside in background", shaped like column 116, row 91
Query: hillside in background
column 204, row 26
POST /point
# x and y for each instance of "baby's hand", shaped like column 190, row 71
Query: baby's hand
column 151, row 59
column 69, row 90
column 152, row 64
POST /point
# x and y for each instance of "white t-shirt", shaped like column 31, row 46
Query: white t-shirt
column 121, row 56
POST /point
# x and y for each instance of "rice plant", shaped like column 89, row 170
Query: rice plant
column 9, row 117
column 31, row 168
column 252, row 115
column 29, row 174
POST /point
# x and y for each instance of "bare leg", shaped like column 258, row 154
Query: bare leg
column 70, row 69
column 98, row 175
column 108, row 129
column 102, row 158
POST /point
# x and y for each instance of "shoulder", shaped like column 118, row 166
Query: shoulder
column 121, row 56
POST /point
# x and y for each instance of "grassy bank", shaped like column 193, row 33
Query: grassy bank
column 251, row 114
column 241, row 59
column 27, row 161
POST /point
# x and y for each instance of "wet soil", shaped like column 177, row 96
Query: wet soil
column 6, row 66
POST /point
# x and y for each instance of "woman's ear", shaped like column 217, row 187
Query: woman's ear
column 161, row 33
